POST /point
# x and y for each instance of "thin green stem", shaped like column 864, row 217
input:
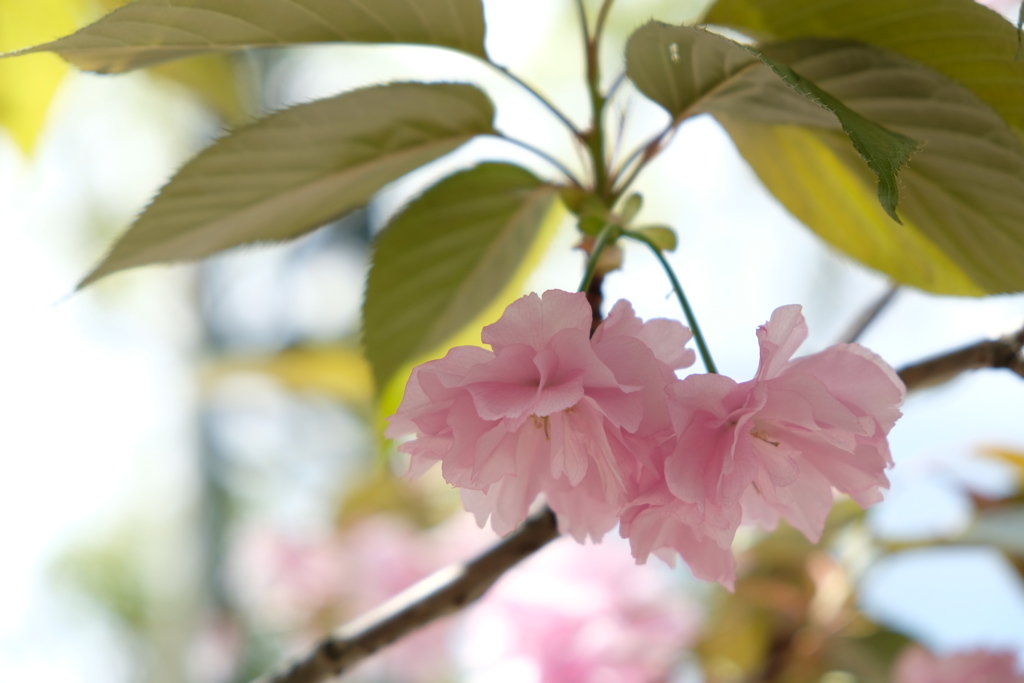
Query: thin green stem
column 705, row 353
column 616, row 84
column 600, row 242
column 641, row 156
column 540, row 98
column 602, row 16
column 583, row 22
column 546, row 157
column 595, row 136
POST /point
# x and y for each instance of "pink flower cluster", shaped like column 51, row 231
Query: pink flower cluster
column 603, row 429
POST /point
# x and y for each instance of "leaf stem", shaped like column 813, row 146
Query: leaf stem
column 546, row 157
column 602, row 16
column 600, row 242
column 643, row 154
column 583, row 22
column 594, row 137
column 577, row 133
column 698, row 336
column 616, row 84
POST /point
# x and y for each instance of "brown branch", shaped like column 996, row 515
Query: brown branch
column 443, row 593
column 1001, row 353
column 595, row 298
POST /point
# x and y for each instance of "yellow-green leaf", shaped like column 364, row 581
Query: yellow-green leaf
column 295, row 170
column 146, row 32
column 960, row 38
column 27, row 85
column 686, row 70
column 962, row 195
column 445, row 257
column 803, row 171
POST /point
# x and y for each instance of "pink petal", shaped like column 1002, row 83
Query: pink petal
column 466, row 428
column 770, row 454
column 708, row 413
column 613, row 462
column 650, row 530
column 622, row 409
column 506, row 503
column 858, row 378
column 666, row 339
column 495, row 452
column 621, row 320
column 805, row 503
column 513, row 384
column 799, row 403
column 459, row 360
column 575, row 353
column 583, row 516
column 569, row 449
column 859, row 472
column 756, row 510
column 533, row 320
column 779, row 338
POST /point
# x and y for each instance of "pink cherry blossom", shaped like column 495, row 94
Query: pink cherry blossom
column 547, row 410
column 771, row 447
column 917, row 665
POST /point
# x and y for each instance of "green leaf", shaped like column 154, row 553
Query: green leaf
column 213, row 78
column 663, row 237
column 146, row 32
column 959, row 38
column 685, row 69
column 681, row 67
column 962, row 196
column 630, row 208
column 445, row 257
column 295, row 170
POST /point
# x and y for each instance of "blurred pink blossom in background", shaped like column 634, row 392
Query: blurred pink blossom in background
column 310, row 586
column 917, row 665
column 579, row 614
column 568, row 614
